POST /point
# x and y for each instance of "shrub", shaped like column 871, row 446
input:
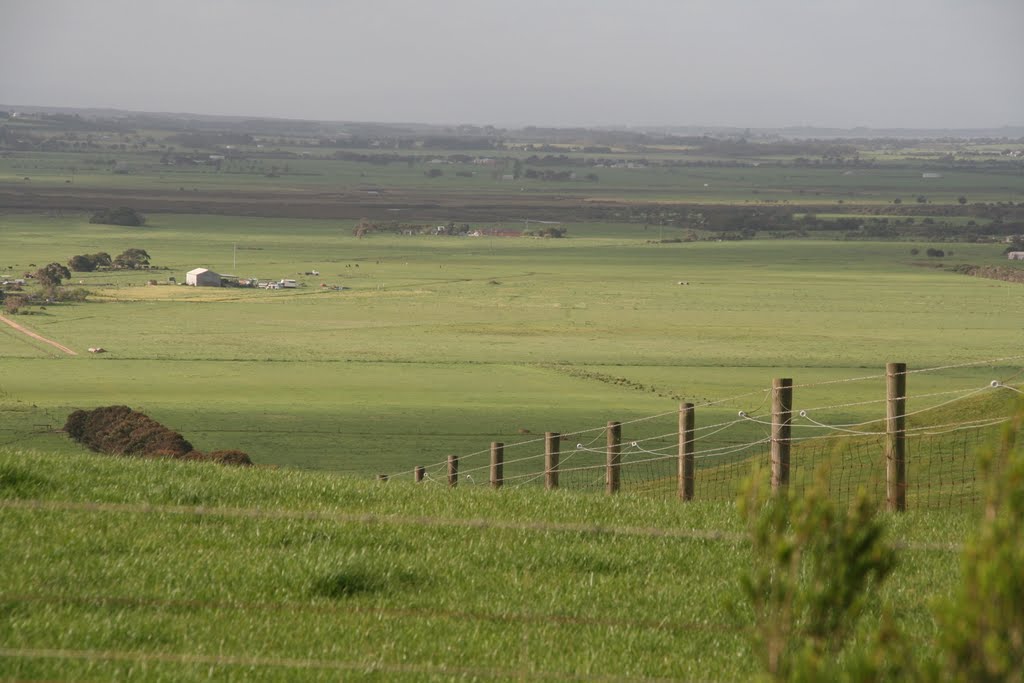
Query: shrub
column 230, row 457
column 76, row 294
column 119, row 430
column 222, row 457
column 982, row 627
column 813, row 567
column 13, row 304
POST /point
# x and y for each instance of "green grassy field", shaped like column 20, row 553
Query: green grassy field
column 422, row 347
column 158, row 570
column 441, row 345
column 748, row 183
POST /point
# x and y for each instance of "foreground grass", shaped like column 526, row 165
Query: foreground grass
column 174, row 571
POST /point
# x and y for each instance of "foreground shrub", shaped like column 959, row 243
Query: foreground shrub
column 814, row 567
column 982, row 627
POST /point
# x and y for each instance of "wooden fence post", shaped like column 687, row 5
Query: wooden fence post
column 611, row 478
column 453, row 471
column 418, row 473
column 895, row 436
column 686, row 463
column 782, row 416
column 497, row 464
column 552, row 446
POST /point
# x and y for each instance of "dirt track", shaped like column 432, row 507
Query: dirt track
column 41, row 338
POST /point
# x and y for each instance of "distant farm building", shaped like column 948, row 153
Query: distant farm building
column 1015, row 255
column 202, row 277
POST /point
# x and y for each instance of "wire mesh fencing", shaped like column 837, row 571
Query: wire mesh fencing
column 936, row 447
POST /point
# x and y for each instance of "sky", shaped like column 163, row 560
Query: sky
column 744, row 63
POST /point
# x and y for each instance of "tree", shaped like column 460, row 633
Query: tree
column 962, row 199
column 51, row 275
column 132, row 259
column 81, row 264
column 122, row 215
column 86, row 263
column 13, row 304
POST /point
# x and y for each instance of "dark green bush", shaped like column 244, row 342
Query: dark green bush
column 119, row 430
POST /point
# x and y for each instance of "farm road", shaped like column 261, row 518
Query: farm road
column 40, row 337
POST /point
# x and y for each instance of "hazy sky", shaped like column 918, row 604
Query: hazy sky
column 757, row 63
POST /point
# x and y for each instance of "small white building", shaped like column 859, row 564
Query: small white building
column 1015, row 255
column 202, row 277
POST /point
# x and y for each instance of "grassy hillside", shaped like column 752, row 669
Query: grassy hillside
column 175, row 571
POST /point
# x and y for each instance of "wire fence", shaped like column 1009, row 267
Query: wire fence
column 938, row 446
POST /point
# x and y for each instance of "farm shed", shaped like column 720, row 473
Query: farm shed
column 1015, row 255
column 202, row 277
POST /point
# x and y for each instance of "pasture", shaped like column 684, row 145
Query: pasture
column 175, row 571
column 406, row 349
column 705, row 181
column 443, row 344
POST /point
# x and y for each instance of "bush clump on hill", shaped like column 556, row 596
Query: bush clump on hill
column 119, row 430
column 122, row 215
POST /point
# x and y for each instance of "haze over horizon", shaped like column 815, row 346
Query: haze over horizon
column 842, row 64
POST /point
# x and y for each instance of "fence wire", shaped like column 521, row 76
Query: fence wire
column 941, row 456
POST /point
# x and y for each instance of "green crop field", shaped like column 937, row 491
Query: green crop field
column 742, row 181
column 442, row 344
